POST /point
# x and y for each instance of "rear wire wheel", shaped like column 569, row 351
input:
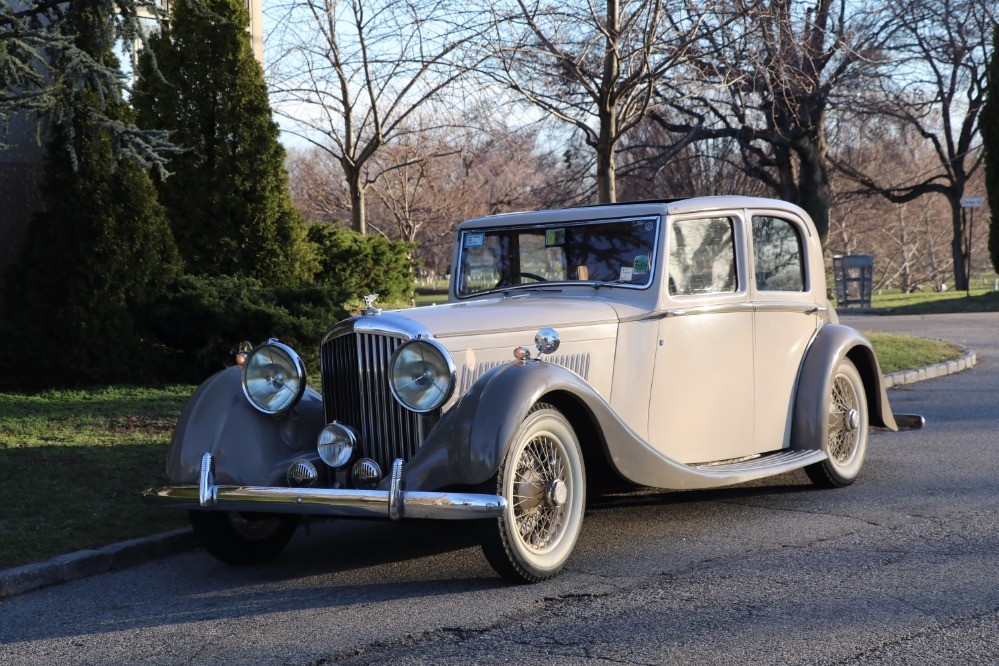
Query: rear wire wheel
column 846, row 432
column 543, row 480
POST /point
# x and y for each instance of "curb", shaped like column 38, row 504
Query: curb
column 124, row 554
column 84, row 563
column 902, row 377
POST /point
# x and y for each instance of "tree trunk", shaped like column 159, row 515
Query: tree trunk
column 813, row 186
column 606, row 185
column 607, row 113
column 357, row 205
column 958, row 245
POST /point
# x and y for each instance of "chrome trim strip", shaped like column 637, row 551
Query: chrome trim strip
column 532, row 329
column 726, row 308
column 790, row 306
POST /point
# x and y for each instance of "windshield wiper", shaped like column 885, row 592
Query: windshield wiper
column 521, row 287
column 610, row 283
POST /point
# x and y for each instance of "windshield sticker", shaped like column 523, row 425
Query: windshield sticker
column 627, row 273
column 641, row 264
column 475, row 240
column 554, row 237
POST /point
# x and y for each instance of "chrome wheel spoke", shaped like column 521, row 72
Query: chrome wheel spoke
column 842, row 439
column 540, row 467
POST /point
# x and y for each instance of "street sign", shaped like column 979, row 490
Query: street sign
column 971, row 202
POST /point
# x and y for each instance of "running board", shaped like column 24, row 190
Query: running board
column 760, row 466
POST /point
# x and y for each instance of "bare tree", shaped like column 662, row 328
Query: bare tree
column 350, row 75
column 593, row 67
column 785, row 65
column 937, row 89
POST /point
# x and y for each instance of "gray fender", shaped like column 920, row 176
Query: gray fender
column 470, row 441
column 249, row 447
column 832, row 344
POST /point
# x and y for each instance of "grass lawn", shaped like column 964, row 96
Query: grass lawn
column 932, row 302
column 902, row 352
column 75, row 462
column 74, row 465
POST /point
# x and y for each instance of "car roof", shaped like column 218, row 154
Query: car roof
column 631, row 209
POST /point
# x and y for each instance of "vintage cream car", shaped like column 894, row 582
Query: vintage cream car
column 675, row 344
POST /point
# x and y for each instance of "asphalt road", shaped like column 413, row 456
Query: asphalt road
column 901, row 567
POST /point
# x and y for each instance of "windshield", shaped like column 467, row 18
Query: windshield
column 611, row 251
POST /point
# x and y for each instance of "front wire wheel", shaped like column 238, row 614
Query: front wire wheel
column 243, row 538
column 544, row 483
column 846, row 432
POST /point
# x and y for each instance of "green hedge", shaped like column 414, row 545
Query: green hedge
column 358, row 265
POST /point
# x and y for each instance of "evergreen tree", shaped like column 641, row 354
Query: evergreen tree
column 227, row 199
column 99, row 250
column 989, row 124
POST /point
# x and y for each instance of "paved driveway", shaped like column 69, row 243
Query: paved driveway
column 902, row 567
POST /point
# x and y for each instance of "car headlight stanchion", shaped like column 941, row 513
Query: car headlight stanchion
column 421, row 375
column 273, row 377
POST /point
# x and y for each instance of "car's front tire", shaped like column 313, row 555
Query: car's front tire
column 243, row 538
column 543, row 480
column 847, row 430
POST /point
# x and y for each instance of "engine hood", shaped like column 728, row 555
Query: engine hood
column 495, row 315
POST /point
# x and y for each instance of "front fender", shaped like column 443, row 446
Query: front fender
column 249, row 448
column 832, row 344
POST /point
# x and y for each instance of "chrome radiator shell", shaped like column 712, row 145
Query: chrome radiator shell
column 354, row 368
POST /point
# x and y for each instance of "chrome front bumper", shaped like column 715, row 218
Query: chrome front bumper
column 394, row 503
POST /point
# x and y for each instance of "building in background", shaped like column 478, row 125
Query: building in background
column 21, row 162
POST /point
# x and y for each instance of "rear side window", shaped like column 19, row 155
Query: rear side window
column 702, row 257
column 777, row 254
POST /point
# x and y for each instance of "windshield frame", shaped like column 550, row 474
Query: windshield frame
column 653, row 260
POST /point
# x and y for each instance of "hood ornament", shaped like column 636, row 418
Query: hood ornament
column 369, row 301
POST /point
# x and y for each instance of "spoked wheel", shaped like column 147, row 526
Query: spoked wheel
column 847, row 431
column 543, row 481
column 243, row 538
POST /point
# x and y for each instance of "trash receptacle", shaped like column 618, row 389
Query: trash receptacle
column 854, row 279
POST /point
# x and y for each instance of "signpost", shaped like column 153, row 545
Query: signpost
column 971, row 203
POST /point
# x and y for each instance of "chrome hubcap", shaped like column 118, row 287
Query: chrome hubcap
column 844, row 420
column 852, row 420
column 558, row 493
column 540, row 492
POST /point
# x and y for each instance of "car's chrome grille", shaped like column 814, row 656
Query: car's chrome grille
column 356, row 393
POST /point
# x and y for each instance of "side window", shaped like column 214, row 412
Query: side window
column 702, row 257
column 778, row 255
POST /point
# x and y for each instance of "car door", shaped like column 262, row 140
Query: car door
column 701, row 405
column 785, row 319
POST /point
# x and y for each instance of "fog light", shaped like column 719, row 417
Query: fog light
column 366, row 474
column 302, row 474
column 336, row 444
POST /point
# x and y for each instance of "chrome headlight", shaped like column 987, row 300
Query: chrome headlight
column 273, row 377
column 336, row 444
column 421, row 375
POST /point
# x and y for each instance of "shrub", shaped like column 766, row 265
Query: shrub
column 199, row 321
column 356, row 265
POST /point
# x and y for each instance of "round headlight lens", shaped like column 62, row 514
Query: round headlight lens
column 421, row 375
column 273, row 377
column 336, row 444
